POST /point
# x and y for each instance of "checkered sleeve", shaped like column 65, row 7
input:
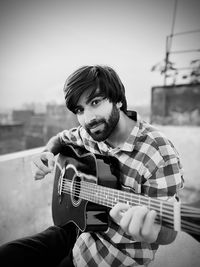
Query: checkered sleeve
column 78, row 136
column 71, row 136
column 167, row 178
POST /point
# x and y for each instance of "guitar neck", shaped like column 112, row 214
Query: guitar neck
column 171, row 214
column 168, row 213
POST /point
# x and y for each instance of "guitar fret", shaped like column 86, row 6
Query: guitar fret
column 92, row 191
column 139, row 199
column 149, row 203
column 106, row 196
column 100, row 196
column 126, row 199
column 110, row 198
column 143, row 202
column 95, row 193
column 103, row 195
column 161, row 212
column 177, row 223
column 115, row 198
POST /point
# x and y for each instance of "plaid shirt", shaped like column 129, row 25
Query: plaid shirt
column 149, row 164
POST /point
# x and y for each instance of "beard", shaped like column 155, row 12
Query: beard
column 106, row 126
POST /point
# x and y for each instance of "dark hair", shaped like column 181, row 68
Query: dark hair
column 96, row 77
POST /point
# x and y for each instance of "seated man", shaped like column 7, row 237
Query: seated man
column 148, row 164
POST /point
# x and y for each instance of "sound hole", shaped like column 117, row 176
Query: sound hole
column 76, row 189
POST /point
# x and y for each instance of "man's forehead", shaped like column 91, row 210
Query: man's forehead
column 88, row 95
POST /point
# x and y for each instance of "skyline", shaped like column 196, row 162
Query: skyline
column 42, row 42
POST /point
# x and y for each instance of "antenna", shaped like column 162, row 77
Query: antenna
column 169, row 41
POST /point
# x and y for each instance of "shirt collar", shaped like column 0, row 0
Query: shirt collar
column 132, row 139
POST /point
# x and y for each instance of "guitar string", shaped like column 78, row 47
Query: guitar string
column 184, row 208
column 102, row 199
column 186, row 223
column 152, row 201
column 142, row 198
column 167, row 219
column 191, row 211
column 165, row 216
column 110, row 202
column 84, row 184
column 164, row 212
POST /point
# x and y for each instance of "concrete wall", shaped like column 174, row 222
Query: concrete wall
column 25, row 204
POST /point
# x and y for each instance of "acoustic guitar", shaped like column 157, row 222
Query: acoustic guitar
column 86, row 187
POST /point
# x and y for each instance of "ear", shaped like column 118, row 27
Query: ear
column 119, row 105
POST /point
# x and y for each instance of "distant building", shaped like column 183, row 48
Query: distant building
column 176, row 105
column 36, row 131
column 5, row 118
column 22, row 116
column 58, row 118
column 29, row 130
column 11, row 137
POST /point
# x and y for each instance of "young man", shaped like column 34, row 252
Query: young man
column 148, row 164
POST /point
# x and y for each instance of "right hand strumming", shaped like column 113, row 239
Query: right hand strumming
column 42, row 164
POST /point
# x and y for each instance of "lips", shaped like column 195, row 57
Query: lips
column 97, row 127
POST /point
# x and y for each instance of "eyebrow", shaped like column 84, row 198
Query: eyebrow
column 93, row 95
column 90, row 98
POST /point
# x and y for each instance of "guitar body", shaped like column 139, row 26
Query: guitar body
column 74, row 165
column 86, row 187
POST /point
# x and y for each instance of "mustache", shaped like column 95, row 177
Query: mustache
column 94, row 123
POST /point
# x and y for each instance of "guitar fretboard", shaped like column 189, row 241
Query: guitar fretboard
column 109, row 197
column 171, row 214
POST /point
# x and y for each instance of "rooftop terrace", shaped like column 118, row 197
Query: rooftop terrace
column 25, row 204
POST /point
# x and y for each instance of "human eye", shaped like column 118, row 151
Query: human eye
column 78, row 110
column 96, row 101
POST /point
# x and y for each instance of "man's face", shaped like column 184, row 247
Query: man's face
column 97, row 115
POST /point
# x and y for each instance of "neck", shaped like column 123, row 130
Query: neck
column 122, row 131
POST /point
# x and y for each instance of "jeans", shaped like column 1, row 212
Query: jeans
column 51, row 248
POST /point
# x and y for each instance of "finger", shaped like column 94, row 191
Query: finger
column 117, row 211
column 136, row 223
column 48, row 157
column 126, row 218
column 39, row 163
column 150, row 230
column 37, row 173
column 39, row 177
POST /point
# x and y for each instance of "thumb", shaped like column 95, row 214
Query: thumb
column 49, row 158
column 51, row 161
column 117, row 211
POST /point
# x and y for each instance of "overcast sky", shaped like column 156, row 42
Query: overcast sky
column 43, row 41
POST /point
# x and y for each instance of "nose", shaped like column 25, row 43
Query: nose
column 88, row 116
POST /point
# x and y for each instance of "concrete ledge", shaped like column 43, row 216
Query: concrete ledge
column 20, row 154
column 25, row 203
